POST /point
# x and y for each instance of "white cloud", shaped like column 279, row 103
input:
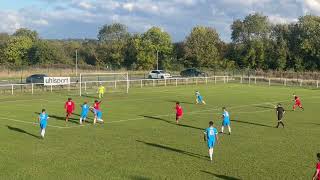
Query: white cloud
column 10, row 21
column 277, row 19
column 311, row 6
column 85, row 5
column 63, row 18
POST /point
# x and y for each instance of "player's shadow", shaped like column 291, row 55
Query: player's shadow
column 62, row 118
column 182, row 102
column 174, row 150
column 251, row 123
column 221, row 176
column 89, row 96
column 170, row 122
column 22, row 131
column 265, row 107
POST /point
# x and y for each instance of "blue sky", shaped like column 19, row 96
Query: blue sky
column 59, row 19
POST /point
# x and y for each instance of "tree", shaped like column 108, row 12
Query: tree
column 16, row 50
column 46, row 52
column 251, row 39
column 201, row 47
column 147, row 45
column 113, row 40
column 113, row 32
column 33, row 35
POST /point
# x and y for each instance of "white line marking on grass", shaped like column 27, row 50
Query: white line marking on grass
column 136, row 119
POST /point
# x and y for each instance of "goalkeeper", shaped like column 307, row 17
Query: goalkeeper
column 101, row 91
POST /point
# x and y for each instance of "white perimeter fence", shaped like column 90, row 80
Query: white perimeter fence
column 90, row 87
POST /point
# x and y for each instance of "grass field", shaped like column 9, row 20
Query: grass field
column 141, row 141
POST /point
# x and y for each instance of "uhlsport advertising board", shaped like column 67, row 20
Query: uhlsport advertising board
column 53, row 81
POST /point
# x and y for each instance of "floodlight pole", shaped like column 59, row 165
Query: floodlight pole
column 157, row 60
column 76, row 62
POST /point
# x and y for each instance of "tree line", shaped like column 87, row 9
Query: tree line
column 256, row 44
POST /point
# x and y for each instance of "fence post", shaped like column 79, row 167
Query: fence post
column 153, row 82
column 141, row 83
column 176, row 82
column 215, row 79
column 285, row 82
column 165, row 82
column 224, row 79
column 12, row 89
column 115, row 84
column 206, row 80
column 269, row 82
column 51, row 88
column 85, row 86
column 301, row 82
column 255, row 80
column 249, row 80
column 241, row 79
column 317, row 84
column 32, row 88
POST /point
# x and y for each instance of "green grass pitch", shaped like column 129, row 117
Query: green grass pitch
column 141, row 141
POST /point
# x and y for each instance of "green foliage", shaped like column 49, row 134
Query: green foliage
column 148, row 44
column 46, row 52
column 33, row 35
column 201, row 47
column 16, row 50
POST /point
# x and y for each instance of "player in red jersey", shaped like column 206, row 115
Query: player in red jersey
column 316, row 175
column 179, row 112
column 69, row 107
column 297, row 102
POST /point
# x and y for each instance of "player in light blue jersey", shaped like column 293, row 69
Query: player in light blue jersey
column 43, row 121
column 199, row 98
column 84, row 112
column 225, row 120
column 211, row 136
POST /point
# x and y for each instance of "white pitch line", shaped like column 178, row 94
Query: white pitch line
column 136, row 119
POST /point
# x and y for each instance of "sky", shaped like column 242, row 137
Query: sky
column 63, row 19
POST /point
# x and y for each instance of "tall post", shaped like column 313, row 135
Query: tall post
column 76, row 62
column 128, row 83
column 12, row 89
column 255, row 80
column 206, row 80
column 176, row 82
column 241, row 79
column 157, row 60
column 32, row 88
column 80, row 81
column 215, row 79
column 317, row 84
column 141, row 83
column 269, row 82
column 249, row 80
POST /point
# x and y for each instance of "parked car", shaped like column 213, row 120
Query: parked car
column 158, row 74
column 192, row 72
column 36, row 78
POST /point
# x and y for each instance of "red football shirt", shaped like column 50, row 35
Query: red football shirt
column 96, row 106
column 318, row 168
column 297, row 99
column 179, row 110
column 69, row 106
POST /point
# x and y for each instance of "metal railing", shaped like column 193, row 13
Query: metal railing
column 121, row 85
